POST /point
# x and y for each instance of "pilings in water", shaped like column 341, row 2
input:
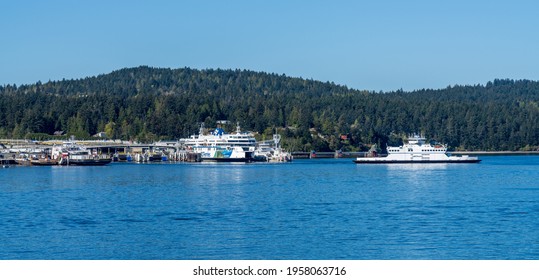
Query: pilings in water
column 4, row 162
column 187, row 156
column 181, row 155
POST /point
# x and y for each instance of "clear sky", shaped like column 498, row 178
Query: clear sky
column 372, row 45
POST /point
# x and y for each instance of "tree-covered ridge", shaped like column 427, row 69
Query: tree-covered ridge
column 148, row 104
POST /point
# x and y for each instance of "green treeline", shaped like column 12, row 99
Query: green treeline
column 147, row 104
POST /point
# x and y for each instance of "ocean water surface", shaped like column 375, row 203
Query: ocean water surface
column 307, row 209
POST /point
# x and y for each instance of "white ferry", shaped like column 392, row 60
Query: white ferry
column 221, row 146
column 417, row 151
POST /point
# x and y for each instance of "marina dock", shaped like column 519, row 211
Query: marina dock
column 12, row 150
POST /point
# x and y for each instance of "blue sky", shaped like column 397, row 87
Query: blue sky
column 372, row 45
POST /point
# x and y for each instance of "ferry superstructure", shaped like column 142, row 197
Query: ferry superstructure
column 416, row 150
column 221, row 146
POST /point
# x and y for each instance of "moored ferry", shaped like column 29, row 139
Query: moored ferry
column 416, row 150
column 221, row 146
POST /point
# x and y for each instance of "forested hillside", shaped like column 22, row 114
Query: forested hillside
column 147, row 104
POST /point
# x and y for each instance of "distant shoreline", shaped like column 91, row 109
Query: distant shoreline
column 308, row 155
column 495, row 152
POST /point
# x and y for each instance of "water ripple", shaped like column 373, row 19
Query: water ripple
column 78, row 222
column 310, row 209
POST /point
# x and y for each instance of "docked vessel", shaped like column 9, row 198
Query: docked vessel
column 271, row 151
column 72, row 154
column 417, row 151
column 221, row 146
column 43, row 161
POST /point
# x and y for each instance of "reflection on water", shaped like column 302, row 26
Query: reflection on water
column 215, row 174
column 417, row 167
column 413, row 174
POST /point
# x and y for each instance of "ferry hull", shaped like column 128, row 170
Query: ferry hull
column 382, row 161
column 227, row 159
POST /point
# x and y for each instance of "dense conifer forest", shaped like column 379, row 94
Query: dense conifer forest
column 147, row 104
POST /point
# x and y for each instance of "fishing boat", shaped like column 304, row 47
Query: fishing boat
column 221, row 146
column 416, row 150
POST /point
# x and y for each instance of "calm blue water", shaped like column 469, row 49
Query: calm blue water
column 308, row 209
